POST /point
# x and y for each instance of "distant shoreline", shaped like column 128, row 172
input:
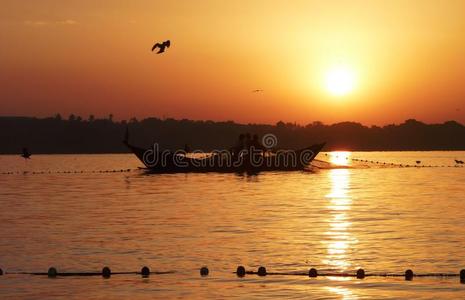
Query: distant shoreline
column 55, row 135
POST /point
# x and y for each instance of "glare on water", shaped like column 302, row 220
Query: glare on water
column 339, row 226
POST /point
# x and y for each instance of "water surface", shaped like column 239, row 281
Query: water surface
column 383, row 219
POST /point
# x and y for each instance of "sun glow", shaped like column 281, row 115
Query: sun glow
column 340, row 81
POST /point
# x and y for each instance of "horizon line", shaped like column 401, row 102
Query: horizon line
column 164, row 118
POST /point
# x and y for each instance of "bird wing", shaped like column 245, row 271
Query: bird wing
column 156, row 46
column 167, row 43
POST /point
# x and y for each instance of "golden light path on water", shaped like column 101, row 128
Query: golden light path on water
column 339, row 238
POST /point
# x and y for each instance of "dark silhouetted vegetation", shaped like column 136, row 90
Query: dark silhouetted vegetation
column 77, row 135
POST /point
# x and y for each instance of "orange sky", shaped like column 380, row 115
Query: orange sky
column 93, row 57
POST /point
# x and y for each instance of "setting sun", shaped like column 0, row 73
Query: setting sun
column 340, row 81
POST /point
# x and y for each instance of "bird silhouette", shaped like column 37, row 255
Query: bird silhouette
column 26, row 154
column 161, row 46
column 418, row 162
column 459, row 161
column 257, row 91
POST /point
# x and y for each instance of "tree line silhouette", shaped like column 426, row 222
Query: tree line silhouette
column 104, row 135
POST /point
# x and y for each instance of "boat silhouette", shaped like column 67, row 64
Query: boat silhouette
column 224, row 161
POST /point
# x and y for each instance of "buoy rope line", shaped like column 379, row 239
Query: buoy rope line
column 359, row 160
column 398, row 165
column 387, row 164
column 378, row 163
column 68, row 172
column 242, row 272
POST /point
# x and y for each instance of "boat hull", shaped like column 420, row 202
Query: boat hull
column 224, row 162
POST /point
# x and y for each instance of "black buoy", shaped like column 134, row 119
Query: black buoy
column 360, row 273
column 145, row 271
column 52, row 272
column 106, row 272
column 312, row 272
column 261, row 271
column 408, row 274
column 204, row 271
column 240, row 271
column 462, row 276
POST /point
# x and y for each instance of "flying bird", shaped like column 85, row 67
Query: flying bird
column 26, row 154
column 161, row 46
column 257, row 91
column 459, row 161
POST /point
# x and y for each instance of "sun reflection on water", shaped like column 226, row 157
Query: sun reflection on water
column 339, row 158
column 344, row 292
column 339, row 238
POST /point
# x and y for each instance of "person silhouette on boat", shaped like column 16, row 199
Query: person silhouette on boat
column 239, row 146
column 256, row 152
column 255, row 143
column 26, row 155
column 248, row 141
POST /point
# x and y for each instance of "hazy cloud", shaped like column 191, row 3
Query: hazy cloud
column 45, row 23
column 67, row 22
column 35, row 23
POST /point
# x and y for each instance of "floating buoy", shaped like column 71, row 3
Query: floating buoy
column 360, row 273
column 145, row 271
column 462, row 276
column 312, row 273
column 106, row 272
column 408, row 274
column 240, row 271
column 204, row 271
column 52, row 272
column 261, row 271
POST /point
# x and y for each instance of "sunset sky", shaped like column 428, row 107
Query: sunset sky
column 374, row 62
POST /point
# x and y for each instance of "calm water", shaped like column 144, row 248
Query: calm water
column 335, row 219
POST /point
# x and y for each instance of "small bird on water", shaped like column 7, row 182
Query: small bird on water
column 459, row 161
column 418, row 162
column 26, row 154
column 161, row 46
